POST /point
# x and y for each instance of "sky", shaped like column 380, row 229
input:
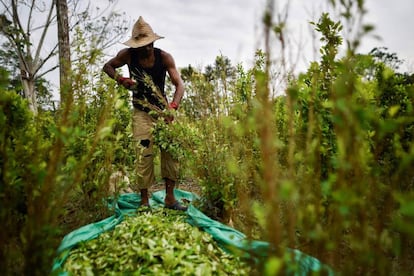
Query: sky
column 196, row 31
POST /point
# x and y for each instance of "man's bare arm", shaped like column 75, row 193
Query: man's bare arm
column 174, row 76
column 119, row 60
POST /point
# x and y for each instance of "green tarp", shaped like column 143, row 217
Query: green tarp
column 228, row 238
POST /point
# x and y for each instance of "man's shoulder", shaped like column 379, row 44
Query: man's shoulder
column 164, row 54
column 124, row 53
column 159, row 50
column 167, row 59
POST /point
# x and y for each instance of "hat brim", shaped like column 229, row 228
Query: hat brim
column 141, row 42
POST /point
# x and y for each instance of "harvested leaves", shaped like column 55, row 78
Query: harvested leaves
column 155, row 243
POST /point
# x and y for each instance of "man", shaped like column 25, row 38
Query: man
column 145, row 61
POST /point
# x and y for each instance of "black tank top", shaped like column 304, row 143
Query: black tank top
column 143, row 92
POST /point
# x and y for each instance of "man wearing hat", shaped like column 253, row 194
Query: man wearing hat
column 145, row 61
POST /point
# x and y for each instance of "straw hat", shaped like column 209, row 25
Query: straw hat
column 142, row 34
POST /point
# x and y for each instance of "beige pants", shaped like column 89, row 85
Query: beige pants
column 141, row 127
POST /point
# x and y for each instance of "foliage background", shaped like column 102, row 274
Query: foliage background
column 325, row 167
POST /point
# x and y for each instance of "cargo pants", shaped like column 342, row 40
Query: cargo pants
column 142, row 123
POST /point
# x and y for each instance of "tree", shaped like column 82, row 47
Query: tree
column 381, row 54
column 9, row 62
column 20, row 35
column 19, row 24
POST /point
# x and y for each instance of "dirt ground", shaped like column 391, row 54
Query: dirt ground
column 187, row 185
column 120, row 182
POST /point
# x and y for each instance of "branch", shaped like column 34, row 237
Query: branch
column 20, row 31
column 30, row 15
column 52, row 53
column 52, row 23
column 16, row 20
column 42, row 38
column 101, row 38
column 7, row 8
column 74, row 14
column 47, row 71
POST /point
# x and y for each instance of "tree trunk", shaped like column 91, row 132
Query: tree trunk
column 64, row 50
column 30, row 93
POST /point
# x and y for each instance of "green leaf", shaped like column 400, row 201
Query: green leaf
column 273, row 266
column 407, row 209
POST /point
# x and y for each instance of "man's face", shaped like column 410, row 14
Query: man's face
column 145, row 51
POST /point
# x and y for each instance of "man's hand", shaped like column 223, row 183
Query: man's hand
column 173, row 105
column 170, row 117
column 126, row 82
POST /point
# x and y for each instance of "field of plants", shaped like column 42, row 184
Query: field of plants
column 324, row 166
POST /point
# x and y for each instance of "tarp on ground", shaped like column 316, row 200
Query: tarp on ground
column 227, row 237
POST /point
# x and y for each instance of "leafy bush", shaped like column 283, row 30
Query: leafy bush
column 24, row 149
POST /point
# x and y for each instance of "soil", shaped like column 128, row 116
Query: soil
column 188, row 185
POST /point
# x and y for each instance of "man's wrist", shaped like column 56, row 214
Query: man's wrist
column 120, row 79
